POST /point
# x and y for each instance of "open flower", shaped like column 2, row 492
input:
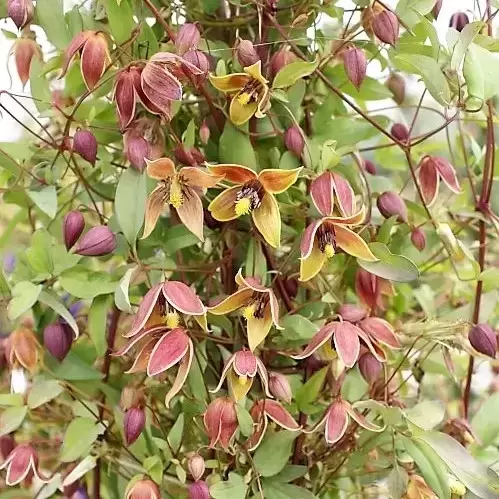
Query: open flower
column 371, row 289
column 251, row 93
column 259, row 308
column 241, row 369
column 431, row 170
column 180, row 189
column 253, row 193
column 22, row 463
column 261, row 412
column 220, row 421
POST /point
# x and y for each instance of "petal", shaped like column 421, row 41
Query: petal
column 381, row 331
column 202, row 321
column 241, row 113
column 237, row 174
column 160, row 169
column 137, row 339
column 182, row 298
column 308, row 238
column 312, row 265
column 263, row 102
column 361, row 420
column 93, row 59
column 190, row 213
column 168, row 351
column 182, row 373
column 346, row 342
column 322, row 193
column 255, row 71
column 277, row 181
column 264, row 377
column 260, row 424
column 448, row 174
column 345, row 196
column 74, row 46
column 232, row 302
column 274, row 309
column 428, row 180
column 160, row 86
column 353, row 244
column 228, row 365
column 336, row 422
column 245, row 363
column 154, row 207
column 324, row 334
column 223, row 206
column 125, row 98
column 239, row 387
column 258, row 329
column 279, row 415
column 145, row 310
column 19, row 467
column 250, row 282
column 354, row 219
column 373, row 347
column 142, row 359
column 199, row 177
column 230, row 83
column 268, row 220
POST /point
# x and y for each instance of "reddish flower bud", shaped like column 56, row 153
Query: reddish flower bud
column 73, row 226
column 188, row 38
column 189, row 157
column 57, row 339
column 196, row 466
column 131, row 397
column 85, row 144
column 291, row 285
column 352, row 313
column 279, row 387
column 386, row 27
column 199, row 490
column 199, row 60
column 98, row 241
column 7, row 444
column 370, row 367
column 21, row 348
column 24, row 51
column 391, row 204
column 137, row 150
column 281, row 58
column 483, row 340
column 21, row 463
column 20, row 11
column 400, row 132
column 396, row 85
column 220, row 421
column 370, row 167
column 142, row 489
column 135, row 420
column 355, row 63
column 204, row 132
column 436, row 8
column 458, row 21
column 367, row 16
column 294, row 140
column 418, row 239
column 246, row 53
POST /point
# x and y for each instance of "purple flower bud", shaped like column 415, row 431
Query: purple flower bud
column 483, row 340
column 199, row 490
column 57, row 338
column 246, row 53
column 291, row 285
column 189, row 156
column 370, row 367
column 204, row 132
column 293, row 138
column 9, row 263
column 400, row 132
column 436, row 8
column 73, row 226
column 75, row 308
column 279, row 387
column 280, row 59
column 136, row 150
column 135, row 420
column 7, row 444
column 80, row 493
column 390, row 204
column 352, row 313
column 20, row 11
column 98, row 241
column 85, row 144
column 355, row 63
column 458, row 21
column 386, row 27
column 396, row 85
column 418, row 239
column 370, row 167
column 199, row 59
column 196, row 466
column 188, row 37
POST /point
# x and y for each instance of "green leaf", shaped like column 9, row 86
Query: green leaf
column 83, row 283
column 97, row 319
column 50, row 16
column 120, row 17
column 43, row 391
column 255, row 265
column 130, row 201
column 39, row 254
column 233, row 488
column 389, row 266
column 189, row 135
column 279, row 490
column 245, row 420
column 408, row 10
column 466, row 37
column 175, row 435
column 73, row 368
column 9, row 399
column 481, row 69
column 309, row 392
column 39, row 86
column 154, row 467
column 24, row 295
column 45, row 199
column 178, row 237
column 11, row 419
column 426, row 414
column 121, row 298
column 79, row 438
column 50, row 299
column 289, row 473
column 297, row 327
column 273, row 453
column 485, row 422
column 235, row 147
column 291, row 73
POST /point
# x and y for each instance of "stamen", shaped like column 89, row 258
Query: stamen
column 326, row 239
column 243, row 98
column 176, row 196
column 256, row 307
column 249, row 197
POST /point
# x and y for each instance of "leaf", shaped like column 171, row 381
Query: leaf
column 43, row 391
column 154, row 467
column 390, row 266
column 233, row 488
column 189, row 135
column 81, row 469
column 121, row 299
column 11, row 419
column 297, row 327
column 466, row 37
column 97, row 320
column 50, row 16
column 177, row 238
column 235, row 147
column 278, row 490
column 175, row 435
column 79, row 438
column 408, row 10
column 50, row 299
column 480, row 68
column 255, row 265
column 73, row 368
column 45, row 199
column 84, row 283
column 426, row 414
column 130, row 202
column 121, row 23
column 39, row 86
column 273, row 453
column 485, row 422
column 309, row 391
column 24, row 295
column 39, row 254
column 245, row 420
column 291, row 73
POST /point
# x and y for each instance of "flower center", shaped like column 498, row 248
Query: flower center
column 256, row 306
column 249, row 93
column 326, row 239
column 174, row 193
column 249, row 197
column 172, row 319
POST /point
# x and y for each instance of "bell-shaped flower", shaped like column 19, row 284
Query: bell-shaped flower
column 240, row 371
column 220, row 421
column 431, row 170
column 253, row 193
column 258, row 305
column 181, row 189
column 380, row 332
column 329, row 190
column 261, row 412
column 251, row 93
column 336, row 419
column 22, row 463
column 22, row 349
column 371, row 289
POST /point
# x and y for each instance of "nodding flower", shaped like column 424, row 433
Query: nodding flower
column 22, row 349
column 220, row 421
column 372, row 289
column 22, row 463
column 431, row 170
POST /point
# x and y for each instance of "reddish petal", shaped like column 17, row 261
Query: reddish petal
column 322, row 193
column 277, row 181
column 190, row 213
column 237, row 174
column 142, row 359
column 20, row 462
column 75, row 45
column 125, row 98
column 381, row 331
column 274, row 309
column 137, row 339
column 168, row 351
column 361, row 420
column 250, row 282
column 308, row 238
column 154, row 207
column 346, row 342
column 259, row 426
column 245, row 363
column 212, row 419
column 447, row 174
column 182, row 298
column 145, row 310
column 228, row 364
column 182, row 373
column 160, row 86
column 428, row 180
column 336, row 422
column 345, row 196
column 324, row 334
column 279, row 415
column 93, row 59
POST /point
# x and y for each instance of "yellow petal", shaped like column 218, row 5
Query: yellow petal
column 268, row 220
column 311, row 266
column 239, row 385
column 277, row 181
column 160, row 169
column 353, row 244
column 154, row 207
column 232, row 302
column 263, row 102
column 255, row 71
column 355, row 219
column 258, row 329
column 230, row 83
column 223, row 206
column 240, row 112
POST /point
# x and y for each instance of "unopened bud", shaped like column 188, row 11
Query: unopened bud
column 85, row 144
column 131, row 397
column 386, row 27
column 390, row 204
column 199, row 490
column 189, row 156
column 458, row 21
column 204, row 132
column 370, row 167
column 136, row 150
column 483, row 340
column 293, row 138
column 188, row 37
column 98, row 241
column 196, row 466
column 367, row 16
column 400, row 132
column 352, row 313
column 20, row 11
column 135, row 420
column 24, row 51
column 370, row 367
column 200, row 60
column 279, row 387
column 396, row 85
column 291, row 286
column 73, row 226
column 418, row 239
column 142, row 489
column 246, row 53
column 58, row 338
column 7, row 444
column 436, row 8
column 355, row 63
column 280, row 59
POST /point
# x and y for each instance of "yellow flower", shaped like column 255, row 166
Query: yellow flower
column 251, row 93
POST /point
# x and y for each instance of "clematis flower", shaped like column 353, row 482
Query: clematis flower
column 22, row 349
column 261, row 412
column 22, row 463
column 259, row 308
column 371, row 289
column 253, row 193
column 336, row 419
column 241, row 369
column 431, row 170
column 220, row 421
column 180, row 189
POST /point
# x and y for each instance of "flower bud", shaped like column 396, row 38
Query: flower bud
column 199, row 490
column 400, row 132
column 57, row 339
column 7, row 444
column 418, row 239
column 279, row 387
column 367, row 16
column 200, row 60
column 291, row 286
column 142, row 489
column 98, row 241
column 85, row 144
column 24, row 51
column 188, row 37
column 131, row 397
column 391, row 204
column 352, row 313
column 20, row 11
column 220, row 421
column 293, row 138
column 370, row 367
column 370, row 167
column 396, row 85
column 483, row 340
column 196, row 466
column 9, row 263
column 204, row 132
column 436, row 8
column 189, row 156
column 22, row 463
column 458, row 21
column 136, row 150
column 135, row 420
column 355, row 63
column 386, row 27
column 246, row 53
column 281, row 58
column 73, row 226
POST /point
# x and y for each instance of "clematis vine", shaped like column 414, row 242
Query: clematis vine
column 240, row 371
column 22, row 463
column 251, row 93
column 178, row 188
column 259, row 307
column 253, row 193
column 431, row 170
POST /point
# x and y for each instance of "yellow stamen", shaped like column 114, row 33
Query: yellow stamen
column 243, row 206
column 172, row 320
column 249, row 312
column 243, row 98
column 242, row 380
column 176, row 196
column 329, row 250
